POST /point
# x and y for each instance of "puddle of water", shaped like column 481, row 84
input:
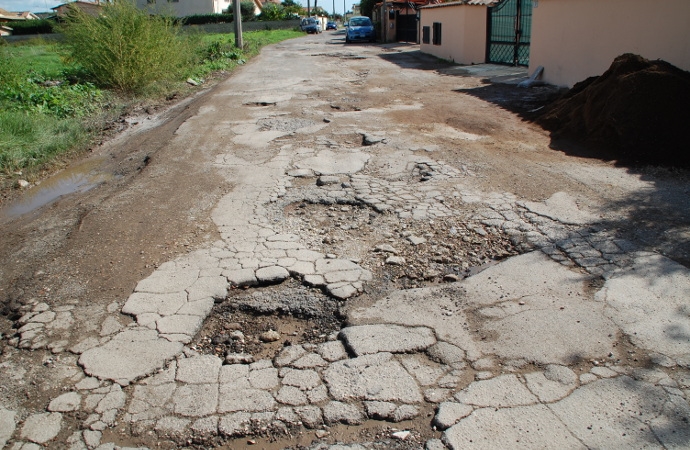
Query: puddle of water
column 78, row 178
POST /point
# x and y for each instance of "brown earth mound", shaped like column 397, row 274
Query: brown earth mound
column 637, row 111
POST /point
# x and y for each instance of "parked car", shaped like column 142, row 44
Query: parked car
column 331, row 25
column 311, row 25
column 360, row 29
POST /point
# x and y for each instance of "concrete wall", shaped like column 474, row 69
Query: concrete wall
column 463, row 33
column 246, row 26
column 576, row 39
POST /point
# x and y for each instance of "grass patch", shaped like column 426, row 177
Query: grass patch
column 217, row 51
column 30, row 140
column 50, row 106
column 35, row 57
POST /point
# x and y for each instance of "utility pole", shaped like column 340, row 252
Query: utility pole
column 384, row 23
column 333, row 10
column 308, row 8
column 239, row 43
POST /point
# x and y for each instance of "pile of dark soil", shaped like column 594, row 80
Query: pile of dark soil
column 638, row 111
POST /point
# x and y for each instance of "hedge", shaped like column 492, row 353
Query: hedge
column 23, row 27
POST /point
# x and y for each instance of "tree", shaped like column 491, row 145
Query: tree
column 247, row 11
column 367, row 7
column 271, row 11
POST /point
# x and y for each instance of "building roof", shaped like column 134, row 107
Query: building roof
column 464, row 2
column 22, row 15
column 94, row 3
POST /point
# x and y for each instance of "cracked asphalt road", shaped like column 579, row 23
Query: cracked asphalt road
column 491, row 291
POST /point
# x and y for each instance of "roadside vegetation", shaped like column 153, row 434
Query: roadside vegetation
column 56, row 97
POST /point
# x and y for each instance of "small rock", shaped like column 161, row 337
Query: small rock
column 327, row 120
column 238, row 358
column 385, row 248
column 237, row 335
column 22, row 184
column 416, row 240
column 326, row 180
column 402, row 435
column 269, row 336
column 219, row 339
column 192, row 82
column 395, row 260
column 451, row 278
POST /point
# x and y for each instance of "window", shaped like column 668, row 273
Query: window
column 437, row 33
column 426, row 35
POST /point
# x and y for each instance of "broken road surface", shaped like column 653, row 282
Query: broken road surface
column 459, row 284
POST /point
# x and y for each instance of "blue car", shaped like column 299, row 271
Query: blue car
column 360, row 29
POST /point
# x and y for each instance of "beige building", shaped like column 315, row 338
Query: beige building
column 571, row 39
column 576, row 39
column 456, row 31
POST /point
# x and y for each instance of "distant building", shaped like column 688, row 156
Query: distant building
column 7, row 16
column 184, row 8
column 91, row 8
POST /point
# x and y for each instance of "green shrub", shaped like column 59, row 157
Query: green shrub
column 247, row 11
column 126, row 48
column 24, row 27
column 200, row 19
column 271, row 11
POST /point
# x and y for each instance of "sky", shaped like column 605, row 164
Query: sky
column 29, row 5
column 45, row 5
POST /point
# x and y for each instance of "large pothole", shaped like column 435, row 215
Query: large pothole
column 260, row 322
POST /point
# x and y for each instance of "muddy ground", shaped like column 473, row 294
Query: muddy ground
column 150, row 202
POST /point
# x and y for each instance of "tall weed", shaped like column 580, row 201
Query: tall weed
column 125, row 48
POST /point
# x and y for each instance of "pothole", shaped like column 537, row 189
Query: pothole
column 340, row 55
column 407, row 254
column 259, row 104
column 260, row 322
column 287, row 125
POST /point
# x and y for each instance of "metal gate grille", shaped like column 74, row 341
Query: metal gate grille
column 509, row 30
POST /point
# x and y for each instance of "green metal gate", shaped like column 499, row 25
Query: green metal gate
column 509, row 27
